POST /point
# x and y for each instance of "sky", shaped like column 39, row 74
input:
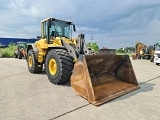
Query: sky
column 110, row 23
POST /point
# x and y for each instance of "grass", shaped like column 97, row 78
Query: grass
column 9, row 51
column 130, row 54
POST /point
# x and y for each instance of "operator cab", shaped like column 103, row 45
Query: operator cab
column 52, row 28
column 21, row 45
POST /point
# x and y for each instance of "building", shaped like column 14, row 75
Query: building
column 6, row 41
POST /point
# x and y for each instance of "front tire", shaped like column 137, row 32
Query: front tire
column 33, row 63
column 15, row 55
column 152, row 58
column 146, row 57
column 59, row 66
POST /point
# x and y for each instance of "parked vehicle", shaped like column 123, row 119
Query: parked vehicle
column 157, row 53
column 144, row 52
column 20, row 50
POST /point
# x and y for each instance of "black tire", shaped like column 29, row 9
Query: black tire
column 143, row 57
column 151, row 58
column 157, row 63
column 146, row 57
column 15, row 55
column 139, row 56
column 20, row 55
column 64, row 65
column 33, row 68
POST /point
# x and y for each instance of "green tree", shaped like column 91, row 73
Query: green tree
column 95, row 47
column 89, row 45
column 120, row 50
column 130, row 49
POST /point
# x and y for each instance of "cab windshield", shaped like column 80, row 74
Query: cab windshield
column 22, row 45
column 157, row 47
column 60, row 29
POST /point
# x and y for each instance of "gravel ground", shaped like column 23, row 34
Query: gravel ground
column 25, row 96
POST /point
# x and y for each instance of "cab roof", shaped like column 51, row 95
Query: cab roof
column 54, row 19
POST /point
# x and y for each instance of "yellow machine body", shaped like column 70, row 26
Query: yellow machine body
column 97, row 78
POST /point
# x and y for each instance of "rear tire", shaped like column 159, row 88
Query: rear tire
column 19, row 55
column 139, row 56
column 59, row 66
column 157, row 63
column 33, row 63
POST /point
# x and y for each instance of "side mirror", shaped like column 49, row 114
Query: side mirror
column 38, row 37
column 74, row 28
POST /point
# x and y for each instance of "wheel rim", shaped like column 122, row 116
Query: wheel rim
column 30, row 61
column 52, row 66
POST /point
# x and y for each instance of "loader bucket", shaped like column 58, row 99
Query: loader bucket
column 101, row 78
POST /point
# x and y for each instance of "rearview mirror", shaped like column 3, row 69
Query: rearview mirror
column 74, row 28
column 38, row 37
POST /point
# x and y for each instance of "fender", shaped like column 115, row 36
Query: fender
column 35, row 49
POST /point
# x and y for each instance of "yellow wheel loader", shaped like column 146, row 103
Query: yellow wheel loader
column 98, row 78
column 144, row 52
